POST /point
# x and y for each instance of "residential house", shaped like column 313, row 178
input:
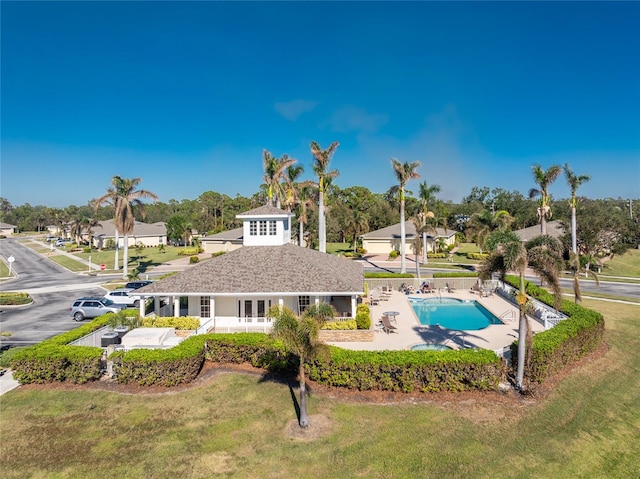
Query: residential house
column 554, row 228
column 148, row 234
column 225, row 241
column 386, row 240
column 7, row 229
column 236, row 289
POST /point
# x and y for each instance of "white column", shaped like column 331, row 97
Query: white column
column 317, row 300
column 156, row 305
column 176, row 306
column 354, row 306
column 142, row 306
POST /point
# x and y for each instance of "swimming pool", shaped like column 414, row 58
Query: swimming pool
column 453, row 313
column 430, row 347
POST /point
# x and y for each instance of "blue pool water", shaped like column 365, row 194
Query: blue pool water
column 453, row 313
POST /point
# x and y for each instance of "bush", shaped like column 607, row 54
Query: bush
column 180, row 323
column 552, row 350
column 409, row 371
column 340, row 325
column 478, row 256
column 363, row 316
column 361, row 251
column 388, row 275
column 44, row 364
column 217, row 253
column 437, row 255
column 189, row 251
column 194, row 260
column 14, row 299
column 394, row 254
column 258, row 349
column 455, row 274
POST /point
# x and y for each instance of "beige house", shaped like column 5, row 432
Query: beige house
column 7, row 229
column 225, row 241
column 149, row 234
column 235, row 290
column 386, row 240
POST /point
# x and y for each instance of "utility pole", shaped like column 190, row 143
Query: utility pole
column 630, row 208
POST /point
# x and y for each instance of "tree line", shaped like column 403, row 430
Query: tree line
column 326, row 212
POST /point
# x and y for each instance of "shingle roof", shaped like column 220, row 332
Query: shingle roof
column 107, row 228
column 393, row 231
column 554, row 228
column 231, row 235
column 266, row 210
column 286, row 269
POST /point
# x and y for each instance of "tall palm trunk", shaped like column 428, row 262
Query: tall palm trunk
column 304, row 419
column 574, row 239
column 116, row 265
column 522, row 331
column 322, row 234
column 424, row 248
column 125, row 257
column 403, row 266
column 543, row 221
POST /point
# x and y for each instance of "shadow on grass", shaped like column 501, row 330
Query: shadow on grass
column 289, row 380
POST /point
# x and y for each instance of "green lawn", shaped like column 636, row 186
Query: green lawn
column 587, row 427
column 150, row 257
column 339, row 248
column 4, row 270
column 69, row 263
column 626, row 265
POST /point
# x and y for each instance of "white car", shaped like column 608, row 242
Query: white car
column 122, row 296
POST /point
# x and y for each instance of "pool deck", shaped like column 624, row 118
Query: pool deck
column 410, row 332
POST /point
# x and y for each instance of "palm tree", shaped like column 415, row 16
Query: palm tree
column 76, row 229
column 426, row 194
column 574, row 183
column 89, row 224
column 576, row 267
column 274, row 172
column 124, row 197
column 357, row 223
column 483, row 223
column 300, row 337
column 543, row 254
column 544, row 179
column 404, row 172
column 321, row 159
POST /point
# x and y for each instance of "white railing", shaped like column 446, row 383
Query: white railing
column 509, row 315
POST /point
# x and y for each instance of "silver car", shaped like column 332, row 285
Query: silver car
column 93, row 307
column 123, row 296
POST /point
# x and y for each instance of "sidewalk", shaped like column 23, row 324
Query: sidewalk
column 7, row 383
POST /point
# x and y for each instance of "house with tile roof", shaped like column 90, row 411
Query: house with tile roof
column 148, row 234
column 386, row 240
column 235, row 290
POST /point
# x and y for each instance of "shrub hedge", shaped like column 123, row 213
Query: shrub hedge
column 363, row 316
column 340, row 325
column 258, row 349
column 165, row 367
column 573, row 338
column 50, row 362
column 180, row 322
column 409, row 371
column 14, row 298
column 194, row 260
column 455, row 274
column 479, row 256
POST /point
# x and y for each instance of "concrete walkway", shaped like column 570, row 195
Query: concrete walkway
column 7, row 383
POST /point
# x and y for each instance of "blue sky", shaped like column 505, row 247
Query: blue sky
column 187, row 95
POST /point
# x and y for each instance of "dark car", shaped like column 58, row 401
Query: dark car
column 137, row 284
column 92, row 307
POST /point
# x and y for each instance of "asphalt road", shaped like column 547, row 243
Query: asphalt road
column 52, row 288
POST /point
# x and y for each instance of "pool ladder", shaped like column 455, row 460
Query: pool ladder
column 509, row 314
column 456, row 335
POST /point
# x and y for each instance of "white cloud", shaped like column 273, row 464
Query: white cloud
column 291, row 110
column 351, row 118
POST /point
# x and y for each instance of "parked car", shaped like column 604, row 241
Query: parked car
column 92, row 307
column 62, row 242
column 123, row 296
column 51, row 239
column 137, row 284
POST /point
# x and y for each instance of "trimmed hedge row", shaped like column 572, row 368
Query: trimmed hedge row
column 363, row 317
column 479, row 256
column 166, row 367
column 340, row 325
column 408, row 371
column 258, row 349
column 177, row 322
column 581, row 333
column 14, row 298
column 387, row 275
column 49, row 362
column 455, row 274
